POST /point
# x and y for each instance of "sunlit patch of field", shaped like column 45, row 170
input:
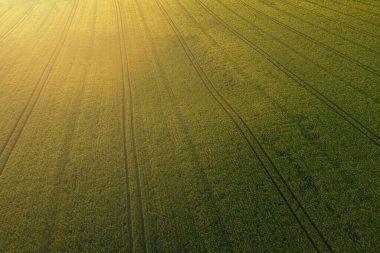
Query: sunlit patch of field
column 189, row 126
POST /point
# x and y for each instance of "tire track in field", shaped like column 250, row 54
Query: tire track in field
column 231, row 59
column 126, row 81
column 24, row 116
column 317, row 42
column 247, row 134
column 326, row 70
column 278, row 106
column 17, row 23
column 126, row 167
column 342, row 13
column 236, row 65
column 237, row 68
column 64, row 159
column 75, row 109
column 221, row 230
column 22, row 53
column 333, row 20
column 323, row 29
column 357, row 8
column 332, row 105
column 368, row 4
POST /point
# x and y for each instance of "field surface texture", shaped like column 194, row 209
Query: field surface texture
column 189, row 126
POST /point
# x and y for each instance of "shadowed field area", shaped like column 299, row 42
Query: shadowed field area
column 189, row 126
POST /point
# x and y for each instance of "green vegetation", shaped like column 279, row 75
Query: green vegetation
column 189, row 126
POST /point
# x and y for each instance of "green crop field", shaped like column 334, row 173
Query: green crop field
column 189, row 126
